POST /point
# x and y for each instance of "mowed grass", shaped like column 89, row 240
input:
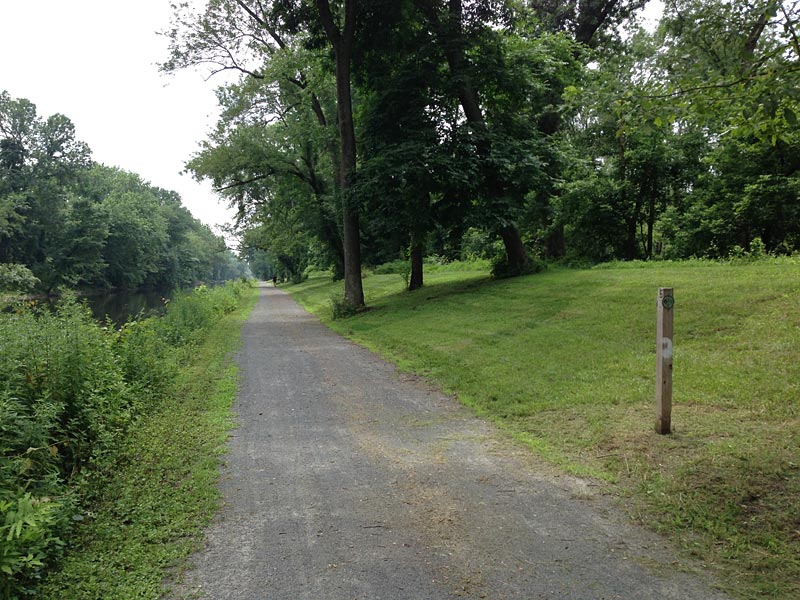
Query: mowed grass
column 565, row 361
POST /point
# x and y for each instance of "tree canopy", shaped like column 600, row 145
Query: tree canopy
column 68, row 221
column 547, row 130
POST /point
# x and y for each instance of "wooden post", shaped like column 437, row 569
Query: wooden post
column 664, row 320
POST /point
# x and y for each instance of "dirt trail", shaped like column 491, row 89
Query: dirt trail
column 348, row 480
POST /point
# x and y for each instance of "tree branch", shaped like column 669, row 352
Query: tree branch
column 238, row 184
column 789, row 26
column 263, row 23
column 713, row 86
column 326, row 18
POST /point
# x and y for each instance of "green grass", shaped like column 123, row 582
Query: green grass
column 565, row 361
column 152, row 512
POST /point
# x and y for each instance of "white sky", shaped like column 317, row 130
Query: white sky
column 651, row 14
column 95, row 62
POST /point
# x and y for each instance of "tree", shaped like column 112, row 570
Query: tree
column 414, row 169
column 248, row 37
column 632, row 159
column 341, row 38
column 591, row 23
column 482, row 42
column 269, row 165
column 733, row 70
column 40, row 163
column 734, row 65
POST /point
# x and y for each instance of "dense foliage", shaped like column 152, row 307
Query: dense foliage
column 69, row 390
column 563, row 131
column 66, row 221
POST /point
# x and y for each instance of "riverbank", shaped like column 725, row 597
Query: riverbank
column 87, row 402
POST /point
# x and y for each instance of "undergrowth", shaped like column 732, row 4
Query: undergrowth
column 71, row 393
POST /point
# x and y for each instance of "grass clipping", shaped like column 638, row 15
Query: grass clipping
column 152, row 512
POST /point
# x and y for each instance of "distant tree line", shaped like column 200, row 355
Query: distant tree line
column 360, row 132
column 68, row 221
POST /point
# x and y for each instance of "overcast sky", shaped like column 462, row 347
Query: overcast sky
column 95, row 62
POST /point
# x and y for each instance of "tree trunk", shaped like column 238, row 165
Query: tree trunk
column 631, row 245
column 516, row 253
column 342, row 42
column 353, row 290
column 651, row 221
column 415, row 282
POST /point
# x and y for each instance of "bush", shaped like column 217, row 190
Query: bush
column 502, row 270
column 61, row 383
column 190, row 313
column 17, row 278
column 63, row 406
column 478, row 244
column 394, row 267
column 146, row 359
column 70, row 389
column 458, row 266
column 26, row 540
column 342, row 308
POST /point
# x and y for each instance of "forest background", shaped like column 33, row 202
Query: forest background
column 67, row 222
column 518, row 132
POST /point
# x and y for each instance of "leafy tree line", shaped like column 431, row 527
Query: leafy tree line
column 364, row 131
column 688, row 141
column 67, row 221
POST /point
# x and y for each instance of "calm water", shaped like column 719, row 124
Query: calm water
column 120, row 306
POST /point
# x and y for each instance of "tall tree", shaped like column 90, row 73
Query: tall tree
column 734, row 65
column 248, row 37
column 471, row 34
column 40, row 164
column 341, row 37
column 449, row 22
column 273, row 166
column 414, row 165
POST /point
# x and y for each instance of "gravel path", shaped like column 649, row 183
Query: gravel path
column 349, row 480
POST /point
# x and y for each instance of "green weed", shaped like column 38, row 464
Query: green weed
column 151, row 512
column 71, row 391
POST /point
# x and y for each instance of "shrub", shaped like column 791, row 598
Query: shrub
column 394, row 267
column 17, row 278
column 63, row 406
column 190, row 313
column 70, row 388
column 342, row 308
column 478, row 244
column 27, row 540
column 502, row 270
column 146, row 359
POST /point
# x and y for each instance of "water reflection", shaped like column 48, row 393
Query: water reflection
column 119, row 306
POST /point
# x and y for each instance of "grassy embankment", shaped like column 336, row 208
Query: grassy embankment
column 151, row 512
column 565, row 361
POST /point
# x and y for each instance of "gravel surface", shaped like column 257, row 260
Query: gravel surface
column 347, row 479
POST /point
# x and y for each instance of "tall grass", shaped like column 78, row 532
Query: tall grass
column 70, row 391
